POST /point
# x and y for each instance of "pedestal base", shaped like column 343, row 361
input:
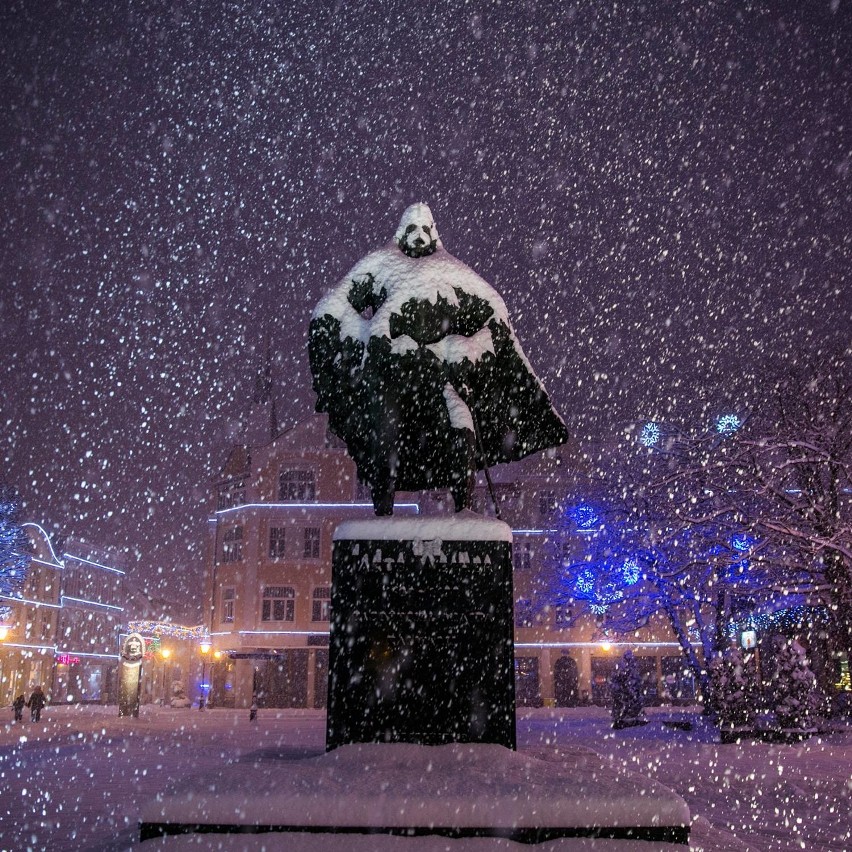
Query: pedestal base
column 421, row 641
column 454, row 791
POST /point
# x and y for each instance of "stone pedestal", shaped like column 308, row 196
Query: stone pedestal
column 421, row 645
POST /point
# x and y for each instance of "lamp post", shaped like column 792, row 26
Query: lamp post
column 165, row 653
column 204, row 647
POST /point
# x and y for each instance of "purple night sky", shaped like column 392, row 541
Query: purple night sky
column 661, row 194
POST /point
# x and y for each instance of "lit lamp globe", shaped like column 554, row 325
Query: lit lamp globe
column 4, row 632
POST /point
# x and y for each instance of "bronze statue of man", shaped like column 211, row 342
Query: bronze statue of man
column 415, row 361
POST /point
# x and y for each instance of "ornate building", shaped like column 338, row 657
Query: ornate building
column 274, row 508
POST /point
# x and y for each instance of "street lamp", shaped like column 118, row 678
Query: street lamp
column 165, row 653
column 204, row 647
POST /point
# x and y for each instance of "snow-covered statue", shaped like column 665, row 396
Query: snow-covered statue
column 415, row 361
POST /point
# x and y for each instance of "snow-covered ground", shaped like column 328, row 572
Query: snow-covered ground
column 80, row 778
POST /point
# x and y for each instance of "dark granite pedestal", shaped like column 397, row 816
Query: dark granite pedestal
column 421, row 646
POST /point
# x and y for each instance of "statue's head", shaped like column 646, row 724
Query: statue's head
column 417, row 235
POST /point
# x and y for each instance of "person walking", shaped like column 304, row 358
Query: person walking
column 18, row 707
column 36, row 702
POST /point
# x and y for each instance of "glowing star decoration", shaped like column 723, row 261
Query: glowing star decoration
column 650, row 435
column 727, row 424
column 630, row 571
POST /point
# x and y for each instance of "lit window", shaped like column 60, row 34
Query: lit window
column 312, row 542
column 279, row 604
column 228, row 597
column 277, row 542
column 321, row 603
column 297, row 486
column 232, row 545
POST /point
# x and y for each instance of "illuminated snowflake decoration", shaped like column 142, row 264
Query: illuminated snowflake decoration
column 650, row 435
column 742, row 542
column 598, row 592
column 584, row 516
column 727, row 424
column 630, row 571
column 585, row 582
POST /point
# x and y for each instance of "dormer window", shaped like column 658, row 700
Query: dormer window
column 232, row 493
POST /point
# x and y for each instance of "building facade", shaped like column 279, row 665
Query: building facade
column 274, row 509
column 62, row 633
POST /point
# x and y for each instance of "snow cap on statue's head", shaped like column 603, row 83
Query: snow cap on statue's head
column 417, row 235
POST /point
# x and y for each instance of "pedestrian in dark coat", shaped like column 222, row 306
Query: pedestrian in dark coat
column 18, row 707
column 36, row 702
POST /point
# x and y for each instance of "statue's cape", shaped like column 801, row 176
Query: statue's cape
column 429, row 341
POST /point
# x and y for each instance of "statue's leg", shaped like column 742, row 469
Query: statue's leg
column 464, row 471
column 384, row 485
column 382, row 499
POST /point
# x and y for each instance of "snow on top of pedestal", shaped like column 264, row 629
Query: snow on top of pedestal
column 463, row 526
column 400, row 785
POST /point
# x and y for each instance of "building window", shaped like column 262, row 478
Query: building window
column 312, row 542
column 279, row 604
column 297, row 486
column 321, row 603
column 232, row 493
column 228, row 597
column 563, row 616
column 523, row 613
column 546, row 503
column 522, row 557
column 277, row 542
column 232, row 545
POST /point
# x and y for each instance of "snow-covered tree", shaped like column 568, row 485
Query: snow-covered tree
column 626, row 691
column 796, row 696
column 14, row 556
column 785, row 477
column 734, row 688
column 644, row 559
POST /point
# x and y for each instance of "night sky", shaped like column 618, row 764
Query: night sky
column 661, row 193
